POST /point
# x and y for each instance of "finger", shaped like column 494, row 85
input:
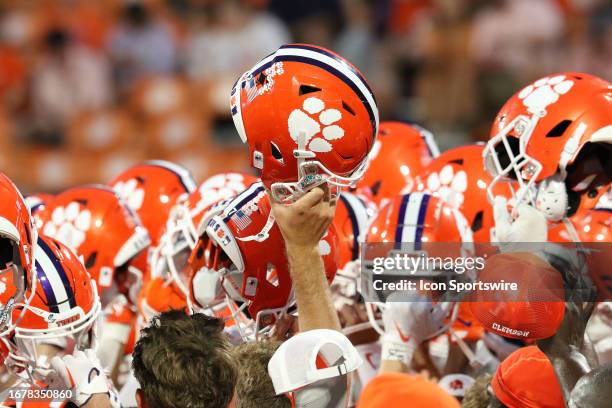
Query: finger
column 310, row 199
column 500, row 210
column 327, row 191
column 92, row 356
column 60, row 368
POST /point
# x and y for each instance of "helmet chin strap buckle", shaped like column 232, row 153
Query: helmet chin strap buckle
column 303, row 154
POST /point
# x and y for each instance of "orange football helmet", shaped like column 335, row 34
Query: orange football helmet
column 308, row 117
column 37, row 204
column 555, row 138
column 458, row 177
column 95, row 223
column 400, row 152
column 151, row 189
column 416, row 224
column 180, row 235
column 241, row 255
column 158, row 296
column 66, row 306
column 353, row 213
column 17, row 238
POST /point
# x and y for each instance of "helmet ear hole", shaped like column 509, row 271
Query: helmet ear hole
column 276, row 153
column 477, row 222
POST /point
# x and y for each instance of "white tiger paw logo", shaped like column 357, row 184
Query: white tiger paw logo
column 318, row 131
column 448, row 185
column 130, row 193
column 2, row 285
column 221, row 187
column 544, row 92
column 69, row 225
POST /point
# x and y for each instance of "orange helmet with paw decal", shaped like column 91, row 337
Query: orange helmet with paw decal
column 555, row 138
column 95, row 223
column 308, row 116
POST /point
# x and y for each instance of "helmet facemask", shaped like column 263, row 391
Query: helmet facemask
column 506, row 159
column 312, row 173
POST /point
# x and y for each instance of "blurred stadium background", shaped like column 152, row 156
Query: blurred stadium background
column 88, row 87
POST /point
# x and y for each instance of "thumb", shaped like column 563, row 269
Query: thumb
column 62, row 371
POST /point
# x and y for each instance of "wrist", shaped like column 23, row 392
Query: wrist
column 394, row 349
column 299, row 249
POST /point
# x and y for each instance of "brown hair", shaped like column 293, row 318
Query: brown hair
column 185, row 361
column 254, row 388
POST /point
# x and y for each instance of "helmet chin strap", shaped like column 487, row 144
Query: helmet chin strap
column 262, row 235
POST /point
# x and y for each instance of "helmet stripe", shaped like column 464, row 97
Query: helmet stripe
column 346, row 199
column 340, row 71
column 421, row 221
column 411, row 219
column 241, row 199
column 56, row 276
column 399, row 232
column 47, row 288
column 181, row 172
column 331, row 55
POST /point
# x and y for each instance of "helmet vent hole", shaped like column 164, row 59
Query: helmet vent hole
column 559, row 128
column 306, row 89
column 276, row 153
column 348, row 108
column 271, row 276
column 577, row 77
column 375, row 188
column 458, row 162
column 477, row 222
column 91, row 260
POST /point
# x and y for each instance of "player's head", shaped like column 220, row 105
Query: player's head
column 184, row 361
column 17, row 241
column 61, row 315
column 526, row 378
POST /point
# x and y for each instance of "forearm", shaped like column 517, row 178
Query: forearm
column 569, row 368
column 392, row 366
column 316, row 310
